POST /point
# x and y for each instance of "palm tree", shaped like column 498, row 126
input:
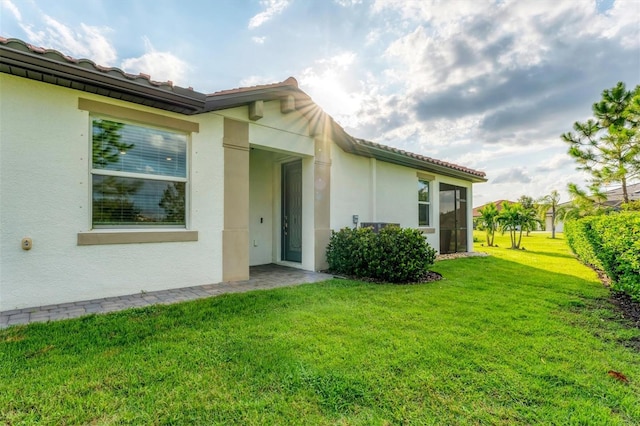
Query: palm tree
column 550, row 202
column 511, row 219
column 515, row 219
column 488, row 220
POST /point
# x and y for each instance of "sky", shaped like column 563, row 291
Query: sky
column 487, row 84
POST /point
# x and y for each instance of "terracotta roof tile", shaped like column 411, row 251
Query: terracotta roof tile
column 422, row 158
column 85, row 63
column 289, row 82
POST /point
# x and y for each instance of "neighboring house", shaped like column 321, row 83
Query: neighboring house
column 476, row 210
column 614, row 200
column 113, row 184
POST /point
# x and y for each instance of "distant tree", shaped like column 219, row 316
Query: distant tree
column 608, row 147
column 107, row 144
column 585, row 203
column 172, row 202
column 112, row 196
column 530, row 221
column 113, row 200
column 529, row 207
column 488, row 221
column 550, row 202
column 511, row 219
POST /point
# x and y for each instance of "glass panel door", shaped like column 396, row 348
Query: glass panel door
column 453, row 219
column 292, row 211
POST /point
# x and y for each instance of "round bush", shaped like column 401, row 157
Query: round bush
column 394, row 255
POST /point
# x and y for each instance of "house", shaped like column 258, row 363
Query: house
column 498, row 204
column 113, row 184
column 614, row 201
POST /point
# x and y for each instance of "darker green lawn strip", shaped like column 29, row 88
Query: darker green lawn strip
column 519, row 337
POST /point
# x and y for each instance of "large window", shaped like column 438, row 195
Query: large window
column 424, row 205
column 139, row 175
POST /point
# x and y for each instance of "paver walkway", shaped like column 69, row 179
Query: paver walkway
column 261, row 278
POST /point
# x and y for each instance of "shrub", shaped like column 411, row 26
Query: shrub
column 610, row 243
column 393, row 255
column 578, row 234
column 620, row 250
column 347, row 252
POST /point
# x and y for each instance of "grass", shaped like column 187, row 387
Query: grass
column 518, row 337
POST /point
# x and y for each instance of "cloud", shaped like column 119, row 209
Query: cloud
column 258, row 40
column 347, row 3
column 8, row 5
column 86, row 41
column 273, row 8
column 514, row 175
column 332, row 84
column 557, row 162
column 161, row 66
column 502, row 73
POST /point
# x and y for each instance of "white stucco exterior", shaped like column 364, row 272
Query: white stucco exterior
column 46, row 195
column 377, row 191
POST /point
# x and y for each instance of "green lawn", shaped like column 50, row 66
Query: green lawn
column 518, row 337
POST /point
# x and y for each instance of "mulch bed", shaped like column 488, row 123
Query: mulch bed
column 629, row 309
column 430, row 276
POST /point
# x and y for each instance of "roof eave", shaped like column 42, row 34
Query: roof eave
column 41, row 68
column 216, row 102
column 415, row 163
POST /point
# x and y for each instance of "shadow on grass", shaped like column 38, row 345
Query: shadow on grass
column 468, row 349
column 542, row 253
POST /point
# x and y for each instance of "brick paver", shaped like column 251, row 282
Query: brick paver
column 261, row 278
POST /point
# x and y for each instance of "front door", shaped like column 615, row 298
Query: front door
column 453, row 218
column 292, row 211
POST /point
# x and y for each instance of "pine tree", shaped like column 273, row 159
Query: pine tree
column 608, row 146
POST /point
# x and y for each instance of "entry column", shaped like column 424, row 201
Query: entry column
column 235, row 235
column 322, row 200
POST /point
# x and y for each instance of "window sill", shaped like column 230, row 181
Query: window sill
column 426, row 230
column 135, row 237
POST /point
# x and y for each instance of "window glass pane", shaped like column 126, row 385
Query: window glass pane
column 135, row 149
column 423, row 190
column 129, row 201
column 423, row 214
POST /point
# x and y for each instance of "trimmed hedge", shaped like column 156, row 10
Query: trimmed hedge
column 579, row 235
column 610, row 243
column 394, row 254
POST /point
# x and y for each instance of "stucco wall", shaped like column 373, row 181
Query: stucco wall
column 261, row 198
column 378, row 191
column 46, row 193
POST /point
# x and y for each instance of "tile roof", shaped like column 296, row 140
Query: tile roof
column 422, row 158
column 498, row 203
column 289, row 82
column 85, row 63
column 51, row 66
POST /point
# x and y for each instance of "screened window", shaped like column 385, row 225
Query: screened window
column 424, row 203
column 139, row 175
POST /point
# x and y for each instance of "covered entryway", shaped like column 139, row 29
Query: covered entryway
column 453, row 219
column 280, row 210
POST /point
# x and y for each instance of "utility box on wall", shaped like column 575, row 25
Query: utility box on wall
column 377, row 226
